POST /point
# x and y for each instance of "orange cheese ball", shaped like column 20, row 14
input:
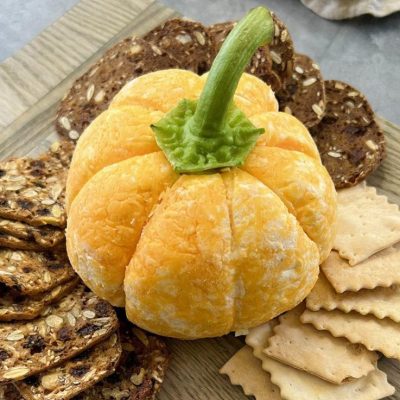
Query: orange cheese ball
column 193, row 256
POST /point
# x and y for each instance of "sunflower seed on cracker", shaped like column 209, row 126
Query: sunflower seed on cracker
column 333, row 359
column 29, row 348
column 29, row 273
column 75, row 375
column 373, row 333
column 93, row 91
column 349, row 140
column 295, row 384
column 303, row 95
column 26, row 308
column 141, row 369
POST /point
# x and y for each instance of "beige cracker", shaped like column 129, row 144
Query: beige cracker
column 383, row 302
column 299, row 385
column 244, row 369
column 382, row 269
column 333, row 359
column 375, row 334
column 366, row 223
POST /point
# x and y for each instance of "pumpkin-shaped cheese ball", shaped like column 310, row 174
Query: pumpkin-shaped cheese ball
column 198, row 214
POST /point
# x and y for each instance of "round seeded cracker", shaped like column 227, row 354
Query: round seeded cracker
column 304, row 94
column 349, row 140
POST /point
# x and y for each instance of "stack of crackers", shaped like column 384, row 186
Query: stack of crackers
column 328, row 347
column 57, row 339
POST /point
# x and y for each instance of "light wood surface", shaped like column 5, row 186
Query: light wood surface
column 33, row 81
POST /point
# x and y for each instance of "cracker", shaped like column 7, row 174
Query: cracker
column 383, row 302
column 244, row 369
column 45, row 236
column 93, row 91
column 65, row 329
column 375, row 334
column 260, row 64
column 25, row 308
column 29, row 273
column 333, row 359
column 188, row 41
column 74, row 376
column 366, row 223
column 141, row 370
column 350, row 142
column 303, row 95
column 380, row 270
column 32, row 189
column 299, row 385
column 12, row 242
column 9, row 392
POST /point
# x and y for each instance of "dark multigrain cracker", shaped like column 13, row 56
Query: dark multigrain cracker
column 12, row 242
column 93, row 91
column 141, row 370
column 281, row 51
column 75, row 375
column 304, row 93
column 350, row 142
column 14, row 308
column 28, row 273
column 32, row 189
column 45, row 236
column 64, row 330
column 260, row 64
column 187, row 41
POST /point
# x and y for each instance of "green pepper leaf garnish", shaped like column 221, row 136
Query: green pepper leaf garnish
column 212, row 132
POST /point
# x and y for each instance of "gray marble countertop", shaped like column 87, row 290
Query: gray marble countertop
column 364, row 51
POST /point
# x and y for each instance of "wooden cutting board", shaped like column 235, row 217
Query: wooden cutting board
column 33, row 81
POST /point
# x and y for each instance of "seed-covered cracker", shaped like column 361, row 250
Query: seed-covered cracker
column 140, row 372
column 13, row 308
column 366, row 223
column 373, row 333
column 74, row 376
column 299, row 385
column 44, row 236
column 93, row 91
column 349, row 140
column 29, row 273
column 244, row 369
column 261, row 63
column 64, row 329
column 333, row 359
column 32, row 189
column 303, row 94
column 382, row 302
column 380, row 270
column 187, row 41
column 12, row 242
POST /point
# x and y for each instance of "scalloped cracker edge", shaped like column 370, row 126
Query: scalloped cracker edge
column 244, row 369
column 375, row 334
column 380, row 270
column 382, row 302
column 299, row 385
column 366, row 223
column 333, row 359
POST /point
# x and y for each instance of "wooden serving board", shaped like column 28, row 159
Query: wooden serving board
column 33, row 81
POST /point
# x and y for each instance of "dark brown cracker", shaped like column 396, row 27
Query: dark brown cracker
column 29, row 273
column 74, row 376
column 261, row 63
column 187, row 41
column 349, row 140
column 141, row 371
column 32, row 190
column 26, row 308
column 67, row 328
column 281, row 51
column 44, row 236
column 94, row 90
column 12, row 242
column 304, row 93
